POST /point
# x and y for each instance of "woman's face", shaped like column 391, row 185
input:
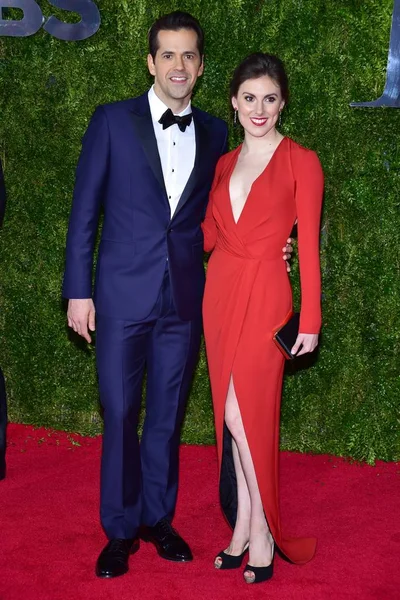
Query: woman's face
column 258, row 103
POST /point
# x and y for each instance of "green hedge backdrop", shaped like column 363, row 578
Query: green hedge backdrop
column 335, row 52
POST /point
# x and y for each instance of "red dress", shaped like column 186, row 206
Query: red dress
column 247, row 296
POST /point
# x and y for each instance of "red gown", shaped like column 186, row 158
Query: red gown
column 247, row 296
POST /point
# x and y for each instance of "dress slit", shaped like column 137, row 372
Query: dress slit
column 296, row 550
column 228, row 481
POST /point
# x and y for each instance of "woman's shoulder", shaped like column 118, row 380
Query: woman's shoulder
column 299, row 149
column 302, row 156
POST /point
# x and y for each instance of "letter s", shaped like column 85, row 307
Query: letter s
column 89, row 24
column 30, row 23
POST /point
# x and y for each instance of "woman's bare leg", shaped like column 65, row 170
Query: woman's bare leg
column 252, row 511
column 241, row 532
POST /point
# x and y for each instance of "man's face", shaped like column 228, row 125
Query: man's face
column 176, row 66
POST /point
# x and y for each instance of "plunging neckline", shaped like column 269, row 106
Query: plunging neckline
column 228, row 179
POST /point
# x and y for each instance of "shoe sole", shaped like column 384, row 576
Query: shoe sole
column 109, row 576
column 180, row 560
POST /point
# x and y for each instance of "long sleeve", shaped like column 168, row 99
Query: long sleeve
column 309, row 192
column 91, row 175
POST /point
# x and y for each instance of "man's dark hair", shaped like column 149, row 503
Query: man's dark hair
column 174, row 22
column 257, row 65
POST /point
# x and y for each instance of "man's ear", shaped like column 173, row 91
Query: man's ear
column 201, row 68
column 151, row 65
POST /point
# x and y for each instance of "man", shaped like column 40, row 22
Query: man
column 149, row 161
column 3, row 399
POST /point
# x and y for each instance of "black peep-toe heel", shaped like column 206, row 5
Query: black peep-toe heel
column 260, row 573
column 229, row 561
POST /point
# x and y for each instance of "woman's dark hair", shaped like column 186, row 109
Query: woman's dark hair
column 257, row 65
column 174, row 22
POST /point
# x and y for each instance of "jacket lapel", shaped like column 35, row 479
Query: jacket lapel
column 202, row 138
column 141, row 117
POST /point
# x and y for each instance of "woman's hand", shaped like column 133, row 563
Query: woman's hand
column 307, row 341
column 287, row 253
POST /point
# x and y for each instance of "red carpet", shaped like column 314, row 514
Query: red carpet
column 50, row 534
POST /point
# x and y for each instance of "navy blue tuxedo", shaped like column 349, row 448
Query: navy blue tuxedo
column 120, row 169
column 148, row 293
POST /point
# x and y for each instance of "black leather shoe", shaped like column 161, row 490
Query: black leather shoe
column 113, row 559
column 168, row 542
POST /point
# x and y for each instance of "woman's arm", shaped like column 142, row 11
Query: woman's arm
column 309, row 192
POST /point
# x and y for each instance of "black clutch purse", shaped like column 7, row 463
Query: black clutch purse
column 286, row 335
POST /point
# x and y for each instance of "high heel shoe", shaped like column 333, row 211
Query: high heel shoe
column 261, row 573
column 229, row 561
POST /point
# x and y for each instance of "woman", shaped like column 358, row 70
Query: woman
column 259, row 191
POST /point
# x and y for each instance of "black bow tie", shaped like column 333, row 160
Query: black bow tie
column 169, row 119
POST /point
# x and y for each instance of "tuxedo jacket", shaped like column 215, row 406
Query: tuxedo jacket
column 120, row 171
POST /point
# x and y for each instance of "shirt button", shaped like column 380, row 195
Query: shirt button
column 169, row 197
column 174, row 143
column 173, row 170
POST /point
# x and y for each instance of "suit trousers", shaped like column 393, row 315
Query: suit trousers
column 139, row 481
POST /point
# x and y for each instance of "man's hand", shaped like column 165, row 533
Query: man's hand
column 308, row 341
column 287, row 253
column 81, row 316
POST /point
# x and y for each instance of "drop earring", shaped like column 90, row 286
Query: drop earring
column 235, row 117
column 280, row 119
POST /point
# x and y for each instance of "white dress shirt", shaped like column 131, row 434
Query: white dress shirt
column 177, row 150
